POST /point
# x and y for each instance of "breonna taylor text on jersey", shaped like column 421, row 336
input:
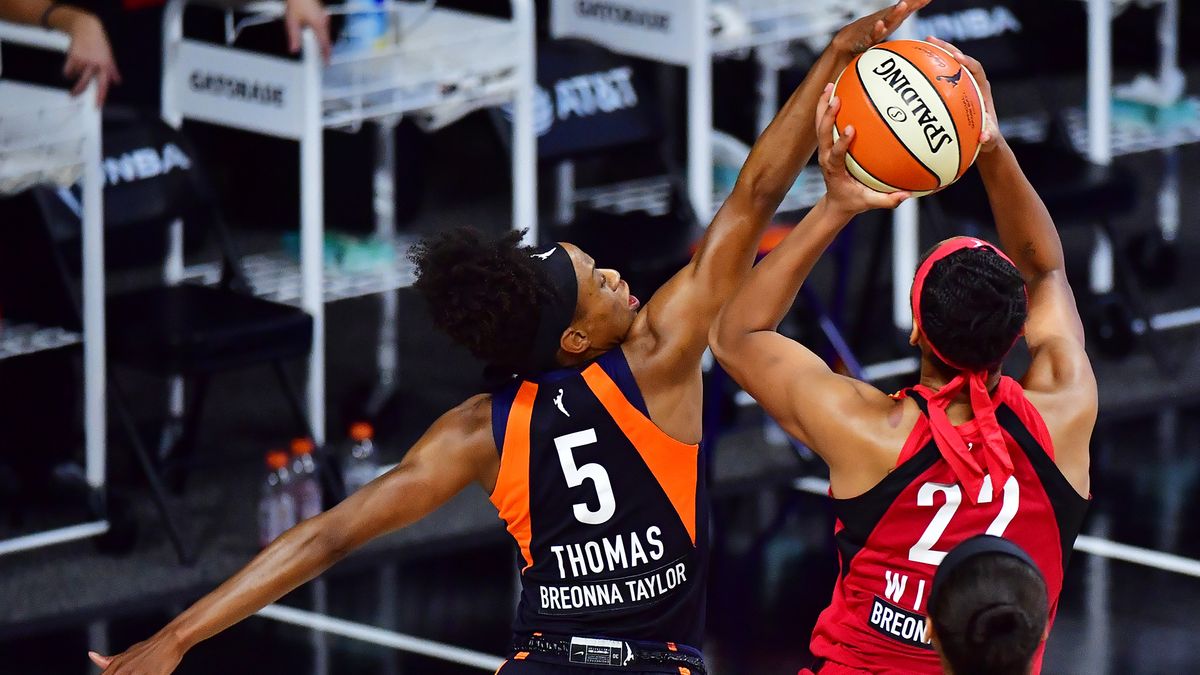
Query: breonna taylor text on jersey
column 608, row 511
column 892, row 538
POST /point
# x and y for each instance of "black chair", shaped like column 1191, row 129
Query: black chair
column 599, row 112
column 187, row 330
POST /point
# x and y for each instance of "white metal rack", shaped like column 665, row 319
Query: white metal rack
column 681, row 33
column 442, row 64
column 278, row 277
column 653, row 195
column 20, row 339
column 1092, row 131
column 48, row 136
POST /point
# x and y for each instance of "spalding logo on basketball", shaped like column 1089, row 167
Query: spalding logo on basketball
column 918, row 115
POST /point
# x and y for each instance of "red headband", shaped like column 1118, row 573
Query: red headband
column 942, row 251
column 967, row 466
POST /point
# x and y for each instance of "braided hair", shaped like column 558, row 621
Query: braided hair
column 990, row 616
column 973, row 307
column 485, row 293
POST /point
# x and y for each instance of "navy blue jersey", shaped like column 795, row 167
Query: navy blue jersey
column 608, row 511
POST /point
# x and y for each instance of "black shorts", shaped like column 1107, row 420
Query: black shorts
column 531, row 666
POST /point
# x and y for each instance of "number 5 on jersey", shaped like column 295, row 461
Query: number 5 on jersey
column 575, row 476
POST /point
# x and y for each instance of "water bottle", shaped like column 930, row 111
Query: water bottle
column 306, row 488
column 366, row 27
column 361, row 464
column 276, row 506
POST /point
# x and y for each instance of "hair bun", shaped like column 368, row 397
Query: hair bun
column 995, row 622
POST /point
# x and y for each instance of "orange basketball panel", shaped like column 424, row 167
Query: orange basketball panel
column 875, row 147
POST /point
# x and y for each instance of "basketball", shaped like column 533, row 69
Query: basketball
column 918, row 115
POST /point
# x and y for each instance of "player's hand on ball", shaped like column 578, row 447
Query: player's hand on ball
column 842, row 191
column 155, row 656
column 862, row 34
column 990, row 136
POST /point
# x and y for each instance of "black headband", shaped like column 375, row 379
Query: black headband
column 983, row 544
column 556, row 314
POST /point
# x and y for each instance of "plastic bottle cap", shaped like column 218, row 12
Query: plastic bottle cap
column 302, row 446
column 361, row 431
column 277, row 459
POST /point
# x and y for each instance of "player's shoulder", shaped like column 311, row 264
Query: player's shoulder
column 472, row 416
column 1061, row 385
column 863, row 441
column 866, row 410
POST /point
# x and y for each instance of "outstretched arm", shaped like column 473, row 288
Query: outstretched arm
column 815, row 405
column 681, row 312
column 457, row 450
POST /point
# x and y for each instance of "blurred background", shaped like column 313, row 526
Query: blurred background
column 134, row 465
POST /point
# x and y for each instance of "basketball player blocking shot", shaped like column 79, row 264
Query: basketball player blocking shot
column 966, row 451
column 590, row 454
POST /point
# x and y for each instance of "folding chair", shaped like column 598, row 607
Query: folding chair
column 187, row 330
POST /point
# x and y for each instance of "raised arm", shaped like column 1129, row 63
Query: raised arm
column 457, row 450
column 1060, row 382
column 681, row 312
column 89, row 55
column 824, row 410
column 1054, row 330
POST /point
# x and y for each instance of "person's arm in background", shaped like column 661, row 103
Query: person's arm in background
column 681, row 312
column 824, row 410
column 457, row 450
column 89, row 56
column 1054, row 332
column 307, row 13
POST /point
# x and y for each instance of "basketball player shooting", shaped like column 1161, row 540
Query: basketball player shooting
column 966, row 451
column 590, row 454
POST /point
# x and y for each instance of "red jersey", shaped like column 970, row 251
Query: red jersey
column 892, row 538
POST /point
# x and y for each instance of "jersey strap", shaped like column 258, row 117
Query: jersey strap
column 951, row 444
column 673, row 463
column 920, row 434
column 1070, row 507
column 511, row 495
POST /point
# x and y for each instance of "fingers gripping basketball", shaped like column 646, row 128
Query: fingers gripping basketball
column 918, row 113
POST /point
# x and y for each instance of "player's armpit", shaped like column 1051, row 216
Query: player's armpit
column 458, row 449
column 1054, row 333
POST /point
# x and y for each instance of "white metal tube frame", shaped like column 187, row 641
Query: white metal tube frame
column 1099, row 116
column 1100, row 143
column 94, row 415
column 699, row 118
column 308, row 131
